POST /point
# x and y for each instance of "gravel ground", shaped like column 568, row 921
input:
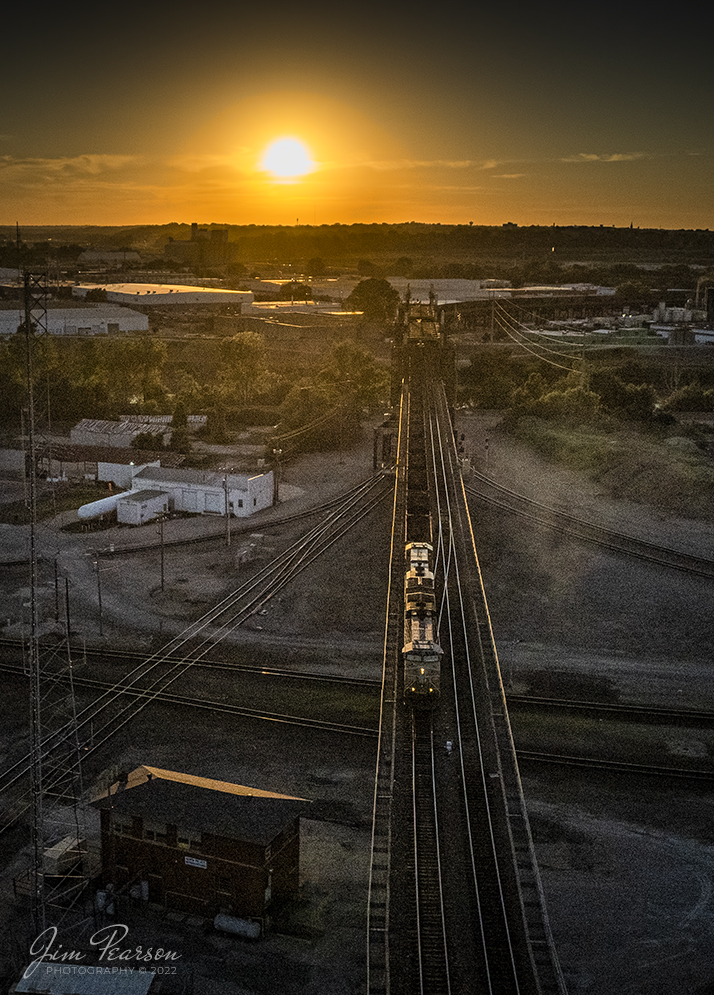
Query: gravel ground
column 628, row 871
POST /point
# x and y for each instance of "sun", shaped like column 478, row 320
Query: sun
column 286, row 158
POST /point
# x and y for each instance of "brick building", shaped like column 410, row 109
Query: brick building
column 202, row 846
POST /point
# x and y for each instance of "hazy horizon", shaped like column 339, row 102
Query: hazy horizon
column 532, row 115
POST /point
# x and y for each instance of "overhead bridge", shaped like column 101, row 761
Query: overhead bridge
column 455, row 900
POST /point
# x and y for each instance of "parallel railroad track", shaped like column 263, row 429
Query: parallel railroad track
column 499, row 966
column 618, row 766
column 431, row 930
column 138, row 692
column 12, row 649
column 615, row 711
column 112, row 704
column 578, row 528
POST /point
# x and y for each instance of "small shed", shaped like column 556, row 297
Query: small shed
column 201, row 846
column 138, row 507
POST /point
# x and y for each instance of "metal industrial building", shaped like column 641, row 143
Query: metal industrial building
column 143, row 294
column 208, row 491
column 200, row 846
column 92, row 319
column 101, row 432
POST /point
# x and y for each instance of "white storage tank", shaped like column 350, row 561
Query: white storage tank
column 96, row 508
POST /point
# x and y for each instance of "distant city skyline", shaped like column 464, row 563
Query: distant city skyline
column 534, row 114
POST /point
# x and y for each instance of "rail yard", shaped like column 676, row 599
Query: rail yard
column 433, row 947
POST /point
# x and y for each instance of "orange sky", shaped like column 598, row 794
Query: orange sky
column 411, row 113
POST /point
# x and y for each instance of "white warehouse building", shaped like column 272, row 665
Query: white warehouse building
column 163, row 293
column 206, row 492
column 97, row 319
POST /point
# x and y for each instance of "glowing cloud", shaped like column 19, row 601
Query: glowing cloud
column 615, row 157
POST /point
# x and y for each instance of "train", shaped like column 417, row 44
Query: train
column 421, row 652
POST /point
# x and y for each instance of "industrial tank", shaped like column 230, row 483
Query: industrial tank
column 96, row 508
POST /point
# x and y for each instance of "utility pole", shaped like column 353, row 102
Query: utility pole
column 25, row 481
column 37, row 872
column 99, row 594
column 277, row 453
column 161, row 534
column 66, row 607
column 342, row 412
column 228, row 511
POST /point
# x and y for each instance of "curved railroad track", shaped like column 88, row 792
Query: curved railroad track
column 692, row 774
column 499, row 496
column 231, row 612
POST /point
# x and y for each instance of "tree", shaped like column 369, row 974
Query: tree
column 215, row 428
column 355, row 370
column 96, row 294
column 294, row 291
column 690, row 397
column 625, row 399
column 366, row 268
column 403, row 266
column 244, row 356
column 147, row 440
column 376, row 298
column 180, row 441
column 316, row 266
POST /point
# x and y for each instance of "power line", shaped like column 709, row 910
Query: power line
column 534, row 331
column 532, row 351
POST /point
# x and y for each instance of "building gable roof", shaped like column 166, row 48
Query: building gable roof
column 204, row 804
column 209, row 478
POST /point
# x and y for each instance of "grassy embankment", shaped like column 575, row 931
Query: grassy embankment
column 636, row 743
column 671, row 474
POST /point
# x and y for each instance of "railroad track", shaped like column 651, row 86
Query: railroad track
column 138, row 692
column 13, row 649
column 497, row 945
column 618, row 766
column 433, row 959
column 619, row 542
column 615, row 711
column 381, row 907
column 222, row 707
column 112, row 704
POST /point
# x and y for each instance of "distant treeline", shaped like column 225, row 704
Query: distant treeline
column 341, row 245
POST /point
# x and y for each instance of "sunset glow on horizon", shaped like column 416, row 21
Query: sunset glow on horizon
column 360, row 116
